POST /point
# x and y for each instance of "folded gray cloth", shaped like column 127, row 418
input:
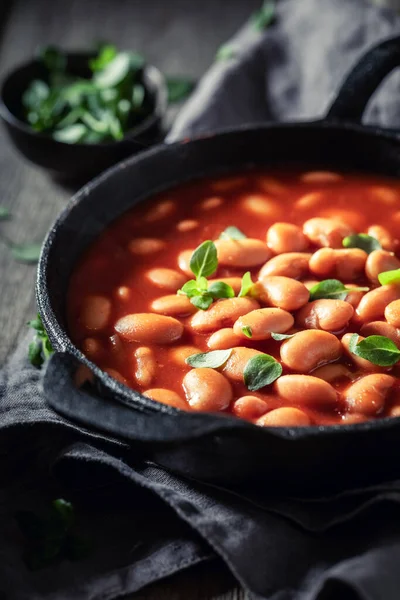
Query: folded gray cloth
column 144, row 522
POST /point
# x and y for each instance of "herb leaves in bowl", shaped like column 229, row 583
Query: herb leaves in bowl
column 102, row 104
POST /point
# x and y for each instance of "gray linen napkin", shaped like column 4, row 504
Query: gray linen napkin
column 147, row 523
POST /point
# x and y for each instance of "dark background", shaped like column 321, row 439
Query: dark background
column 181, row 38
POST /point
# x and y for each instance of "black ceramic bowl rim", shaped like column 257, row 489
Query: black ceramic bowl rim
column 64, row 343
column 151, row 75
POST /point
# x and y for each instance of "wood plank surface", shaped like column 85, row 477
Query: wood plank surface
column 178, row 36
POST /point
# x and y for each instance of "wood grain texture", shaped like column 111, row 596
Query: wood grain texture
column 178, row 36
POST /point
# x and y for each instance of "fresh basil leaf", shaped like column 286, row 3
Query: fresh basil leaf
column 247, row 331
column 190, row 288
column 261, row 370
column 264, row 17
column 107, row 53
column 36, row 93
column 203, row 301
column 211, row 360
column 179, row 88
column 389, row 277
column 35, row 353
column 377, row 349
column 53, row 59
column 281, row 336
column 232, row 233
column 114, row 72
column 363, row 241
column 93, row 123
column 202, row 284
column 63, row 513
column 204, row 261
column 40, row 348
column 4, row 213
column 219, row 289
column 26, row 253
column 71, row 134
column 332, row 289
column 247, row 285
column 226, row 52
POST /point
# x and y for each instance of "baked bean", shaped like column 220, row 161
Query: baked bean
column 381, row 328
column 326, row 232
column 310, row 200
column 368, row 394
column 167, row 279
column 286, row 237
column 116, row 375
column 326, row 314
column 392, row 313
column 291, row 264
column 227, row 184
column 242, row 253
column 262, row 321
column 352, row 418
column 385, row 195
column 147, row 328
column 95, row 312
column 123, row 293
column 187, row 225
column 222, row 314
column 346, row 265
column 145, row 366
column 286, row 416
column 184, row 262
column 181, row 353
column 378, row 262
column 235, row 365
column 320, row 177
column 384, row 237
column 92, row 348
column 282, row 292
column 333, row 372
column 354, row 298
column 83, row 375
column 249, row 407
column 159, row 211
column 223, row 339
column 310, row 283
column 262, row 206
column 211, row 203
column 355, row 220
column 234, row 282
column 207, row 390
column 143, row 246
column 361, row 363
column 173, row 305
column 270, row 185
column 372, row 305
column 305, row 389
column 168, row 397
column 307, row 350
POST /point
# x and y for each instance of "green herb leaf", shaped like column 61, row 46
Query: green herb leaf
column 211, row 360
column 203, row 301
column 389, row 277
column 247, row 285
column 138, row 94
column 4, row 213
column 363, row 241
column 232, row 233
column 264, row 17
column 247, row 331
column 179, row 88
column 378, row 349
column 204, row 261
column 107, row 52
column 261, row 370
column 53, row 59
column 26, row 253
column 226, row 52
column 219, row 289
column 333, row 289
column 40, row 348
column 71, row 134
column 190, row 288
column 37, row 92
column 281, row 336
column 114, row 72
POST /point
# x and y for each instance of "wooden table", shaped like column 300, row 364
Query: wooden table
column 178, row 36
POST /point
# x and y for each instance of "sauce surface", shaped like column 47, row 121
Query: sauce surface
column 112, row 281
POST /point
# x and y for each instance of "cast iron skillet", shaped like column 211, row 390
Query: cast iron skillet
column 220, row 449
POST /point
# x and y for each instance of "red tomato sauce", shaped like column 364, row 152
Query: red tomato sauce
column 280, row 195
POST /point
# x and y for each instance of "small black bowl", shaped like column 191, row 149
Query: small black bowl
column 73, row 161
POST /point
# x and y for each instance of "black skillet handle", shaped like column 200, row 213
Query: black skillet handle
column 363, row 80
column 119, row 416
